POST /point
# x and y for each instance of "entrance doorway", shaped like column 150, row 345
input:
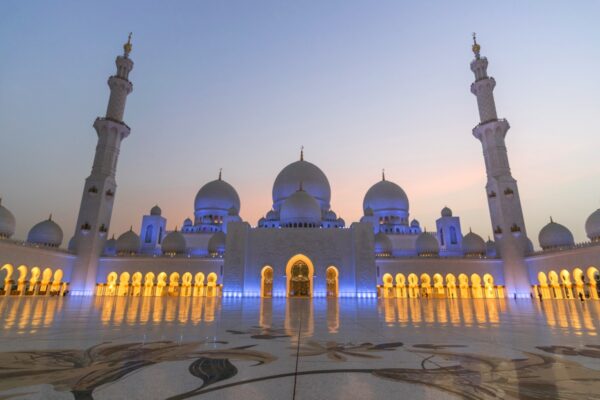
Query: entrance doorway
column 299, row 274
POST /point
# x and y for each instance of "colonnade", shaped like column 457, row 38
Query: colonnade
column 150, row 285
column 32, row 282
column 568, row 285
column 424, row 286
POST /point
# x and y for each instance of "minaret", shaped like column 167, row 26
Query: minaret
column 502, row 192
column 100, row 187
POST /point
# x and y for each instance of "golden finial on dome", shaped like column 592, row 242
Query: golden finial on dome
column 127, row 46
column 383, row 174
column 220, row 173
column 301, row 153
column 476, row 47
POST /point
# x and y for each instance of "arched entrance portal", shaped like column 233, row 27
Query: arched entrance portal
column 299, row 274
column 266, row 282
column 331, row 276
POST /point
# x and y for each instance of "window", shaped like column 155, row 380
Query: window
column 442, row 240
column 453, row 239
column 148, row 236
column 160, row 232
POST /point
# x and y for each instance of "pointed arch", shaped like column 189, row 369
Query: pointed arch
column 266, row 281
column 301, row 279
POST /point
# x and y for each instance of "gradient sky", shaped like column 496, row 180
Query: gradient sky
column 243, row 84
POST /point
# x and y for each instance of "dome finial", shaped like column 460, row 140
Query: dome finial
column 470, row 231
column 551, row 220
column 127, row 46
column 130, row 228
column 301, row 153
column 300, row 189
column 50, row 217
column 383, row 174
column 220, row 173
column 175, row 228
column 476, row 47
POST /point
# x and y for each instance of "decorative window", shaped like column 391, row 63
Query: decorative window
column 148, row 236
column 442, row 240
column 93, row 190
column 492, row 194
column 453, row 238
column 498, row 230
column 515, row 228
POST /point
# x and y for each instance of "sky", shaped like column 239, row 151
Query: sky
column 242, row 85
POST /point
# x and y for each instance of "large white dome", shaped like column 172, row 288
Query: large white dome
column 174, row 243
column 300, row 207
column 128, row 243
column 427, row 245
column 385, row 196
column 592, row 226
column 554, row 236
column 473, row 245
column 7, row 222
column 313, row 181
column 46, row 233
column 217, row 195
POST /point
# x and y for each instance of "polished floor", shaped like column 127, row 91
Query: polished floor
column 211, row 348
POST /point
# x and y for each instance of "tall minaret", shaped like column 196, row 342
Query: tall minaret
column 502, row 192
column 100, row 187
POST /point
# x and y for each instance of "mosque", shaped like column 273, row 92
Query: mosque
column 301, row 247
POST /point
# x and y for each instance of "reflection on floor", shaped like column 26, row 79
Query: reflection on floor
column 179, row 348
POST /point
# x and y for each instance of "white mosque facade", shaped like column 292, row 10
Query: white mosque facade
column 301, row 247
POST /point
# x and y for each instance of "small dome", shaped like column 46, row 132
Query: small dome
column 174, row 243
column 110, row 247
column 414, row 224
column 187, row 222
column 592, row 226
column 383, row 245
column 217, row 195
column 7, row 222
column 427, row 245
column 272, row 215
column 473, row 245
column 490, row 248
column 46, row 233
column 554, row 236
column 313, row 180
column 155, row 210
column 216, row 244
column 446, row 212
column 385, row 196
column 128, row 243
column 330, row 215
column 300, row 207
column 341, row 223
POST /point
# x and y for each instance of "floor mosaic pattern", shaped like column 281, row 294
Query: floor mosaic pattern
column 211, row 348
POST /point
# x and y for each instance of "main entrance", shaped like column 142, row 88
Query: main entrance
column 299, row 274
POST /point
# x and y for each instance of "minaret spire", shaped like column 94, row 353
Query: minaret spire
column 301, row 153
column 508, row 223
column 99, row 190
column 383, row 174
column 220, row 173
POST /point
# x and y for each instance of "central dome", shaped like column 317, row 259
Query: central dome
column 300, row 207
column 217, row 195
column 385, row 196
column 313, row 181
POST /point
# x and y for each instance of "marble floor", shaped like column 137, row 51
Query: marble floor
column 210, row 348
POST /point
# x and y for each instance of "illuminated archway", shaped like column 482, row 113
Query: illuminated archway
column 149, row 284
column 123, row 289
column 388, row 284
column 438, row 286
column 136, row 284
column 57, row 281
column 543, row 288
column 198, row 285
column 186, row 284
column 556, row 291
column 451, row 286
column 490, row 290
column 400, row 286
column 476, row 286
column 266, row 282
column 565, row 277
column 463, row 284
column 111, row 284
column 22, row 279
column 593, row 276
column 173, row 284
column 161, row 282
column 331, row 279
column 211, row 285
column 413, row 286
column 425, row 285
column 7, row 278
column 46, row 277
column 299, row 273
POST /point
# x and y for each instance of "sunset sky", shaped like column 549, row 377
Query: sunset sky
column 241, row 85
